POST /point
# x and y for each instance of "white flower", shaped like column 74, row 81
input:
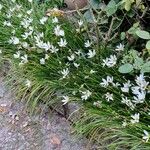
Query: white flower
column 31, row 28
column 54, row 49
column 92, row 71
column 91, row 53
column 7, row 23
column 120, row 47
column 29, row 12
column 140, row 81
column 9, row 15
column 135, row 90
column 87, row 44
column 116, row 84
column 135, row 118
column 65, row 100
column 80, row 23
column 30, row 1
column 78, row 52
column 109, row 97
column 42, row 61
column 12, row 9
column 1, row 7
column 17, row 55
column 25, row 35
column 105, row 82
column 65, row 72
column 146, row 136
column 110, row 62
column 98, row 104
column 28, row 83
column 18, row 7
column 124, row 123
column 105, row 62
column 24, row 59
column 86, row 77
column 25, row 45
column 128, row 103
column 139, row 98
column 40, row 44
column 71, row 58
column 19, row 15
column 76, row 65
column 86, row 94
column 55, row 20
column 58, row 31
column 126, row 87
column 30, row 33
column 39, row 36
column 140, row 95
column 47, row 46
column 14, row 40
column 110, row 79
column 13, row 1
column 62, row 43
column 26, row 22
column 46, row 56
column 43, row 20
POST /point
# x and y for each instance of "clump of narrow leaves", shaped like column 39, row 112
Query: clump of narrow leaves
column 54, row 61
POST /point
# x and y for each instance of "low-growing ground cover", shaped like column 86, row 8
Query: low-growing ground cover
column 96, row 62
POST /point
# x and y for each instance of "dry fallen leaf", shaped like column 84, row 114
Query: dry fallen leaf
column 54, row 12
column 2, row 109
column 55, row 140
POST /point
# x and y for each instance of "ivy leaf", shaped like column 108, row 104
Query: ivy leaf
column 135, row 25
column 95, row 4
column 111, row 8
column 148, row 45
column 89, row 16
column 128, row 4
column 123, row 35
column 126, row 68
column 143, row 34
column 146, row 67
column 138, row 62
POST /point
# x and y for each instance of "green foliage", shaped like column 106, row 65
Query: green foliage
column 126, row 68
column 145, row 67
column 143, row 34
column 87, row 69
column 111, row 8
column 128, row 4
column 148, row 45
column 95, row 4
column 132, row 61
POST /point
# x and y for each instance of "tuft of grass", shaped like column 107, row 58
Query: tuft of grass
column 45, row 83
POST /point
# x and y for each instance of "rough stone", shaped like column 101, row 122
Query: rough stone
column 20, row 131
